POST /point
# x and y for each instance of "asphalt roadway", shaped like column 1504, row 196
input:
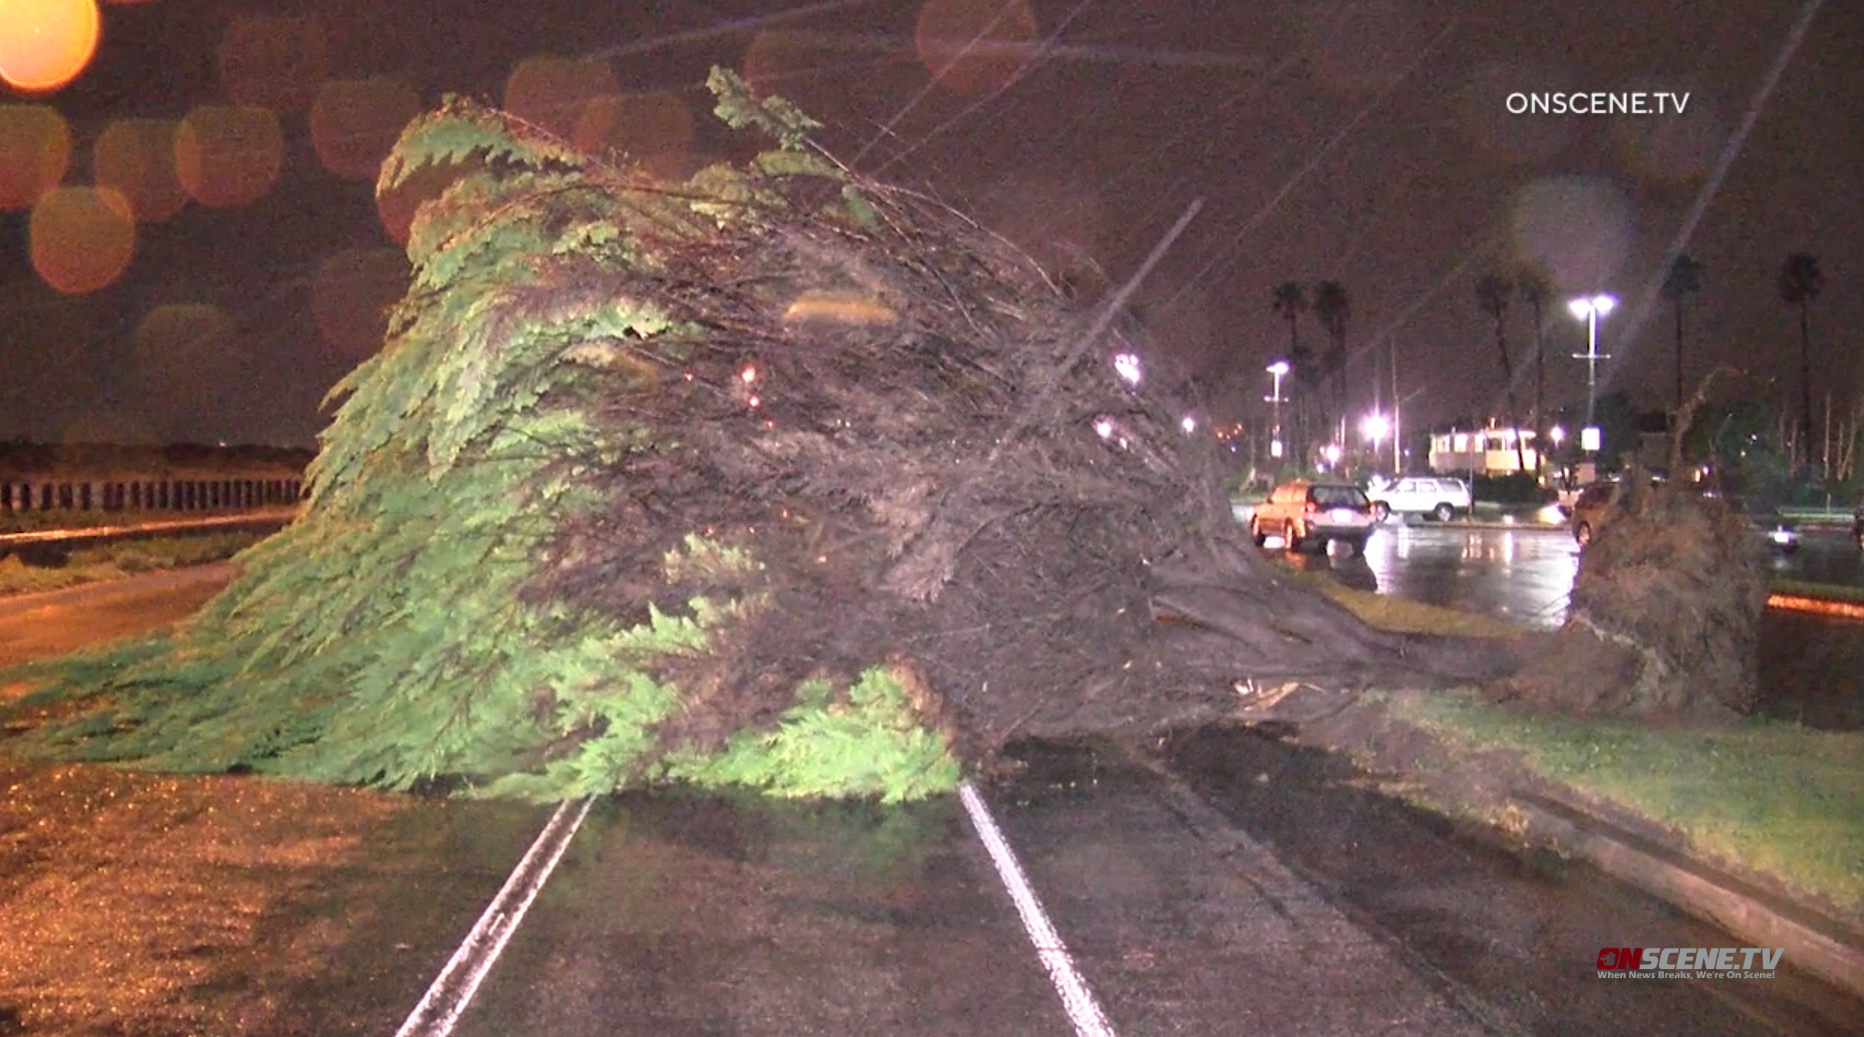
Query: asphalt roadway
column 1220, row 882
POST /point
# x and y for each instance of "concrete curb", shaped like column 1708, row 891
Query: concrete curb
column 257, row 516
column 1815, row 942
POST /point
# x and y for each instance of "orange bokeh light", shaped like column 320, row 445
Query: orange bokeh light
column 82, row 238
column 228, row 156
column 355, row 122
column 553, row 92
column 137, row 158
column 973, row 47
column 273, row 62
column 397, row 209
column 654, row 130
column 44, row 44
column 35, row 151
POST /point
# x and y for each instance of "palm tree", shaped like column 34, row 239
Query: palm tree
column 1290, row 301
column 1492, row 293
column 1800, row 283
column 1683, row 279
column 1536, row 290
column 1334, row 308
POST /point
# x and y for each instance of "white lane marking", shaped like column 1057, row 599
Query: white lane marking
column 440, row 1008
column 1076, row 998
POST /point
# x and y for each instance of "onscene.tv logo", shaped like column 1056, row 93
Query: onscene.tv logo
column 1689, row 962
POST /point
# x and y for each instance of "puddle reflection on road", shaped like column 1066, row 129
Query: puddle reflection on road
column 1809, row 666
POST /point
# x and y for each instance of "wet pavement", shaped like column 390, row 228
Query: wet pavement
column 1520, row 575
column 1810, row 665
column 688, row 914
column 678, row 915
column 1525, row 574
column 1219, row 882
column 1517, row 934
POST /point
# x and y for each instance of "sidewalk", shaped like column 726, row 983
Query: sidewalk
column 1830, row 948
column 1491, row 786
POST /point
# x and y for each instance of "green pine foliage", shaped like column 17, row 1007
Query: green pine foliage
column 391, row 635
column 773, row 116
column 865, row 741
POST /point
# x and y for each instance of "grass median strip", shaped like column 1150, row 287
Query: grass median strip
column 114, row 561
column 1774, row 799
column 1403, row 616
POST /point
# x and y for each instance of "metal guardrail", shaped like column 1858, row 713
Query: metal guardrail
column 53, row 536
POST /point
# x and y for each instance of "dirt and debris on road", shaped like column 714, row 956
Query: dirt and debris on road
column 136, row 903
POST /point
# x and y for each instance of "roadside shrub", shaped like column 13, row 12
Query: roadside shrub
column 1512, row 488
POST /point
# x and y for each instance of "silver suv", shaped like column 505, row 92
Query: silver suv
column 1441, row 498
column 1310, row 514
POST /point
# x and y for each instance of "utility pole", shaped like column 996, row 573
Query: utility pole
column 1590, row 310
column 1397, row 422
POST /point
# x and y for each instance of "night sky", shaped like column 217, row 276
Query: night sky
column 1367, row 142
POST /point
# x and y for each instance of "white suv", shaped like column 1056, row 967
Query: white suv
column 1441, row 498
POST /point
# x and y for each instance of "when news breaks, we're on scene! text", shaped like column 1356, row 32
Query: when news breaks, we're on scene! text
column 1597, row 102
column 1689, row 962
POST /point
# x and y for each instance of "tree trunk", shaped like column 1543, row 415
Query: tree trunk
column 1805, row 381
column 1514, row 422
column 1679, row 351
column 1540, row 395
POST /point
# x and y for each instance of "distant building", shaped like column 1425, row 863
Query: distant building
column 1489, row 451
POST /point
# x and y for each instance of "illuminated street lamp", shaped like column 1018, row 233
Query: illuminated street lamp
column 1375, row 426
column 1590, row 309
column 1278, row 369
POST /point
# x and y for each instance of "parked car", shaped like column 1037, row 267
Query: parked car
column 1313, row 514
column 1589, row 510
column 1439, row 497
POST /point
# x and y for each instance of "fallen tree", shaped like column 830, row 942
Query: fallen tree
column 777, row 477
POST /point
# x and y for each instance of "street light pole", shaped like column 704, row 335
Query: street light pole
column 1397, row 415
column 1375, row 426
column 1590, row 310
column 1278, row 368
